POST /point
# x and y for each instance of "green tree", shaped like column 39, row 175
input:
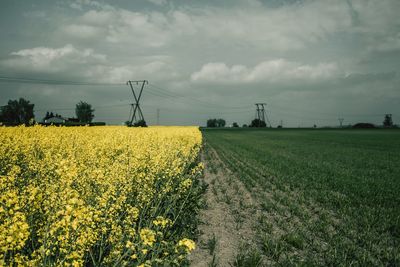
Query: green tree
column 17, row 112
column 221, row 123
column 388, row 122
column 235, row 125
column 216, row 123
column 258, row 123
column 212, row 123
column 84, row 112
column 140, row 123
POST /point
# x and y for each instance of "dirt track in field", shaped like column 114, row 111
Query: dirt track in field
column 228, row 219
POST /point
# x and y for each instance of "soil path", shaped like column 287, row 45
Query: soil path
column 227, row 222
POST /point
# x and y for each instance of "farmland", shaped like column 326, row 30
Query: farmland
column 98, row 196
column 321, row 197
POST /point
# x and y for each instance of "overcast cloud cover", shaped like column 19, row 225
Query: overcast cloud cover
column 310, row 61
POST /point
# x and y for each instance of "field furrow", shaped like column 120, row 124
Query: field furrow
column 326, row 198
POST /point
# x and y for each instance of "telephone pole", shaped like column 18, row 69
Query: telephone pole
column 136, row 111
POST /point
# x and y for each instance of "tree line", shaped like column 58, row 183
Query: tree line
column 21, row 111
column 257, row 123
column 214, row 123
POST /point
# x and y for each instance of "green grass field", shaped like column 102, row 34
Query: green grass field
column 327, row 197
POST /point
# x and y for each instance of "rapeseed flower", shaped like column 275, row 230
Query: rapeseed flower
column 187, row 244
column 76, row 196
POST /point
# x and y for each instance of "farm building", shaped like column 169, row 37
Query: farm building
column 55, row 120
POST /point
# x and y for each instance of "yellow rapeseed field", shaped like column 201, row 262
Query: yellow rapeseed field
column 95, row 196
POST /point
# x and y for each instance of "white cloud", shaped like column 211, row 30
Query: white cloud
column 273, row 71
column 266, row 28
column 52, row 59
column 156, row 70
column 82, row 31
column 98, row 17
column 80, row 4
column 158, row 2
column 246, row 25
column 85, row 65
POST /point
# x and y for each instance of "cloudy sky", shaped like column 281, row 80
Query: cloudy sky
column 310, row 61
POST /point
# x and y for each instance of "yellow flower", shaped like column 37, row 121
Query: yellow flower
column 147, row 236
column 188, row 244
column 73, row 188
column 162, row 222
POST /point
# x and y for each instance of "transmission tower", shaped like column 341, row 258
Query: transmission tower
column 341, row 122
column 261, row 114
column 136, row 111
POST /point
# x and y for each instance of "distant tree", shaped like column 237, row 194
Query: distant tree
column 140, row 123
column 84, row 112
column 235, row 125
column 388, row 122
column 244, row 126
column 212, row 123
column 363, row 125
column 279, row 126
column 315, row 126
column 17, row 112
column 221, row 123
column 258, row 123
column 216, row 123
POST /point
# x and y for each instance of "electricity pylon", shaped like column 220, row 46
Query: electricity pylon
column 261, row 114
column 136, row 111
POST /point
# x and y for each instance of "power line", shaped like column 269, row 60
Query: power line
column 157, row 91
column 98, row 107
column 175, row 95
column 333, row 115
column 191, row 111
column 184, row 101
column 53, row 82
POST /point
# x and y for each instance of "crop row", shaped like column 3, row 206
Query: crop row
column 325, row 197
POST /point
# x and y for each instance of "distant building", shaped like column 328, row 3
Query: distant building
column 61, row 121
column 55, row 120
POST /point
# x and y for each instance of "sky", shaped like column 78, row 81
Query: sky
column 311, row 62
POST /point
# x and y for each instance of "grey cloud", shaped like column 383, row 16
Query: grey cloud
column 159, row 2
column 273, row 71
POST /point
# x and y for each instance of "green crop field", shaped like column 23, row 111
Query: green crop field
column 326, row 197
